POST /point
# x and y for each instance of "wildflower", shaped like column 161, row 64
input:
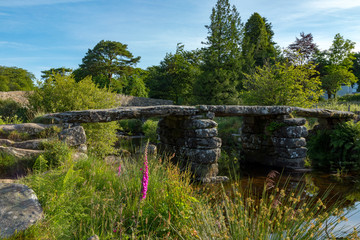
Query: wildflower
column 145, row 178
column 119, row 170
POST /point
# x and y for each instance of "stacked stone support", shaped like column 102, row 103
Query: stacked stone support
column 274, row 140
column 194, row 142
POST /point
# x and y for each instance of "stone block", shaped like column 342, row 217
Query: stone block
column 200, row 156
column 73, row 136
column 199, row 124
column 288, row 142
column 294, row 121
column 291, row 132
column 203, row 143
column 201, row 133
column 292, row 153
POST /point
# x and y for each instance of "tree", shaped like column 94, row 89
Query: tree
column 303, row 46
column 174, row 78
column 258, row 46
column 282, row 84
column 63, row 71
column 222, row 58
column 106, row 62
column 335, row 65
column 15, row 79
column 356, row 65
column 135, row 85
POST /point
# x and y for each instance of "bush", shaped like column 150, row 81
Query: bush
column 62, row 93
column 149, row 128
column 350, row 98
column 11, row 111
column 336, row 149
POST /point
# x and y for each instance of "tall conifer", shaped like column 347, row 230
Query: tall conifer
column 222, row 58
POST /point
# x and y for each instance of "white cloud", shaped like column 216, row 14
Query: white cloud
column 22, row 3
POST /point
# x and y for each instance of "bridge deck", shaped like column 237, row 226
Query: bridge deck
column 108, row 115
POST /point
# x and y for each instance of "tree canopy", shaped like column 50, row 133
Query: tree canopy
column 222, row 57
column 282, row 84
column 258, row 46
column 174, row 78
column 335, row 65
column 303, row 47
column 108, row 61
column 15, row 79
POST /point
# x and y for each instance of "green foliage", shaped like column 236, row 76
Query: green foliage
column 336, row 149
column 350, row 98
column 335, row 65
column 149, row 128
column 135, row 85
column 282, row 84
column 10, row 109
column 55, row 153
column 50, row 74
column 15, row 79
column 62, row 93
column 174, row 78
column 131, row 126
column 257, row 46
column 101, row 137
column 40, row 165
column 273, row 126
column 91, row 198
column 108, row 61
column 219, row 80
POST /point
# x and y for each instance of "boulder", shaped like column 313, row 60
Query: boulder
column 31, row 129
column 74, row 136
column 35, row 144
column 19, row 208
column 21, row 153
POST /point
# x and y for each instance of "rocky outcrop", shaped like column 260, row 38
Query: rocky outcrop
column 19, row 208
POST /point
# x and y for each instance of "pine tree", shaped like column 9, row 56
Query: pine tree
column 222, row 58
column 258, row 46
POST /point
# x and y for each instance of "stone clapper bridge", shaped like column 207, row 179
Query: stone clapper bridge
column 269, row 134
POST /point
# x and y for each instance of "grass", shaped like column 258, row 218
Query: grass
column 337, row 104
column 88, row 197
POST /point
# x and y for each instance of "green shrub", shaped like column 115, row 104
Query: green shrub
column 56, row 153
column 62, row 93
column 149, row 128
column 11, row 111
column 350, row 98
column 336, row 149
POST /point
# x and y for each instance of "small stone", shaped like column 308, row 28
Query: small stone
column 94, row 237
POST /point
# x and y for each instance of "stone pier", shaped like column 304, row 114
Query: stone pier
column 274, row 140
column 195, row 144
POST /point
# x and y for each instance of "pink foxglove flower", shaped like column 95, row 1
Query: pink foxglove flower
column 145, row 178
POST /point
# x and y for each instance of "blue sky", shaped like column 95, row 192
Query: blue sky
column 40, row 34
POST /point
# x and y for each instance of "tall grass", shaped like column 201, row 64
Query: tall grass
column 89, row 197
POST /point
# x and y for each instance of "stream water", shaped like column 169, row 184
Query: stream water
column 346, row 188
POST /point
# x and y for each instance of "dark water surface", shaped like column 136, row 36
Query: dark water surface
column 345, row 188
